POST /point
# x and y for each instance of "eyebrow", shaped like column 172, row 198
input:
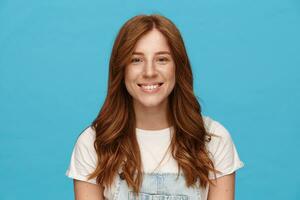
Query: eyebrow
column 157, row 53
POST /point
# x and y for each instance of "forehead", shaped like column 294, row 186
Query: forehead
column 152, row 42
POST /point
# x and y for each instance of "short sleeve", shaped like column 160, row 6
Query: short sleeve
column 84, row 158
column 223, row 151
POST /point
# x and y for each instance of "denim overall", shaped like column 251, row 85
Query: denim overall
column 158, row 186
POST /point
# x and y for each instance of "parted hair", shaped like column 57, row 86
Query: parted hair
column 115, row 141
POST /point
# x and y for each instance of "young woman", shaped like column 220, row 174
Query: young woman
column 150, row 140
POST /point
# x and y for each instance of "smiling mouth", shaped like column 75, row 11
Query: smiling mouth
column 159, row 84
column 150, row 87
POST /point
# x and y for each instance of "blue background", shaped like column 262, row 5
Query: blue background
column 53, row 76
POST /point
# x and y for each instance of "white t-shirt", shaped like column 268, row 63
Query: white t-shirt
column 153, row 145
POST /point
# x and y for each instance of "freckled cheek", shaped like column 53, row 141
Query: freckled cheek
column 131, row 75
column 169, row 73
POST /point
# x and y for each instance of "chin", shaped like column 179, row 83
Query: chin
column 150, row 103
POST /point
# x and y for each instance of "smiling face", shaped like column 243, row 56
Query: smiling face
column 150, row 75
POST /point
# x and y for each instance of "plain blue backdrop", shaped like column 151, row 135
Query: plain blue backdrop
column 53, row 76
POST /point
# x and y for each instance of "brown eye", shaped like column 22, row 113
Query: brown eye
column 135, row 60
column 163, row 59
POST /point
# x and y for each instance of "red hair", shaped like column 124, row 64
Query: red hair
column 116, row 144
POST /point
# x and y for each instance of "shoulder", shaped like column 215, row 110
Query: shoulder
column 84, row 147
column 87, row 136
column 220, row 135
column 214, row 126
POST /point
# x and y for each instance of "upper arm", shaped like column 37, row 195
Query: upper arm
column 224, row 188
column 87, row 191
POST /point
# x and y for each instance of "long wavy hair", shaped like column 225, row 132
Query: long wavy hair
column 115, row 142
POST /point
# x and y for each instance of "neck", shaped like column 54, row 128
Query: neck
column 152, row 118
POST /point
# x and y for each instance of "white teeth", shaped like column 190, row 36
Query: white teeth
column 149, row 87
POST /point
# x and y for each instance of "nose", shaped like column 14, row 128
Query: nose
column 150, row 70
